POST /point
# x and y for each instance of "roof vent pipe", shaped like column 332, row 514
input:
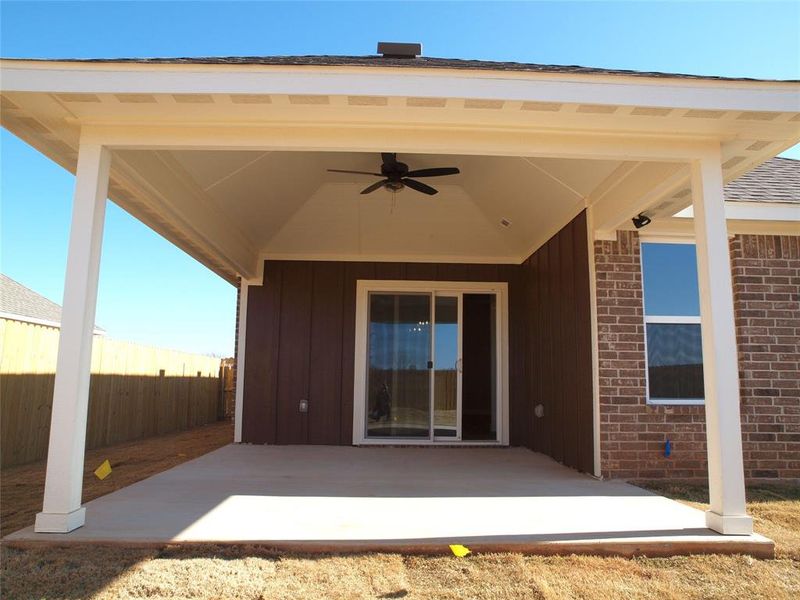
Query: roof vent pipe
column 399, row 50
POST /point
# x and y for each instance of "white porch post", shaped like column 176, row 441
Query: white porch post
column 240, row 354
column 720, row 366
column 62, row 511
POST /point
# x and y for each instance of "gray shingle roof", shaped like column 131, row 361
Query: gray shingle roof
column 18, row 300
column 777, row 180
column 380, row 61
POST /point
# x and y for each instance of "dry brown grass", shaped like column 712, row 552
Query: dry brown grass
column 22, row 488
column 214, row 572
column 253, row 573
column 775, row 509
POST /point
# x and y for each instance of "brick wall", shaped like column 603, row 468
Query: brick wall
column 766, row 284
column 766, row 274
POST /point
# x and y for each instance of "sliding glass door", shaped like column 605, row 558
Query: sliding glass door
column 431, row 366
column 398, row 369
column 446, row 362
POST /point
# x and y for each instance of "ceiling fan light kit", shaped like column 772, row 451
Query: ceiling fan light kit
column 396, row 176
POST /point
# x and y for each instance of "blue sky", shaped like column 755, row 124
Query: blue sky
column 144, row 279
column 670, row 280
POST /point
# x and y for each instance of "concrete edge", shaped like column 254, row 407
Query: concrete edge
column 756, row 546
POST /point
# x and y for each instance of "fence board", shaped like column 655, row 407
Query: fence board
column 135, row 391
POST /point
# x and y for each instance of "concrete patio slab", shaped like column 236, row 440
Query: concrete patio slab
column 333, row 498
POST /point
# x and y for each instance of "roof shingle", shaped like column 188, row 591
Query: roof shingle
column 777, row 180
column 16, row 299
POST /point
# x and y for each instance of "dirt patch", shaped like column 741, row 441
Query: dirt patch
column 22, row 487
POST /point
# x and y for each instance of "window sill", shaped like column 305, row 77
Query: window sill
column 676, row 401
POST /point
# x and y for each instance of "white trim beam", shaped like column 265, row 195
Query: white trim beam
column 680, row 227
column 62, row 511
column 727, row 513
column 54, row 77
column 755, row 211
column 406, row 138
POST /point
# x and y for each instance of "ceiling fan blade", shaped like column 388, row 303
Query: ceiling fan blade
column 355, row 172
column 389, row 158
column 437, row 172
column 374, row 186
column 419, row 186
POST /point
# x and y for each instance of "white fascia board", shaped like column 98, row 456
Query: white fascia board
column 754, row 211
column 43, row 322
column 54, row 77
column 409, row 258
column 674, row 229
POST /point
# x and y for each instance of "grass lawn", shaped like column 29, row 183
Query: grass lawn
column 216, row 572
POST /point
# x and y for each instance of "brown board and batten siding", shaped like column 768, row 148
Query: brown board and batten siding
column 300, row 343
column 558, row 350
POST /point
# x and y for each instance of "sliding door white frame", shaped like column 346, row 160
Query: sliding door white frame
column 363, row 288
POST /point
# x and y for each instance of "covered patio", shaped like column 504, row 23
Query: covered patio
column 230, row 160
column 334, row 498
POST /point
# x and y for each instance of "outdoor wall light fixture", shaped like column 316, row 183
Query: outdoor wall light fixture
column 640, row 220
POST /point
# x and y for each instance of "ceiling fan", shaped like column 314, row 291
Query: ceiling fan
column 396, row 176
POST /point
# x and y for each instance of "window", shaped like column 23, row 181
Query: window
column 672, row 324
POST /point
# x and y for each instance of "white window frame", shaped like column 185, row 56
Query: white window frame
column 363, row 288
column 663, row 319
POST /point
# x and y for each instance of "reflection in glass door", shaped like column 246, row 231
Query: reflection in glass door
column 398, row 374
column 446, row 376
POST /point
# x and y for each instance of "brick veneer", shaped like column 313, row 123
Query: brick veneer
column 766, row 280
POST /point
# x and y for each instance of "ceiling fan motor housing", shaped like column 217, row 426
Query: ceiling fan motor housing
column 394, row 172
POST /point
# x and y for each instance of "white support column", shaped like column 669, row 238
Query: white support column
column 590, row 238
column 62, row 511
column 727, row 514
column 240, row 355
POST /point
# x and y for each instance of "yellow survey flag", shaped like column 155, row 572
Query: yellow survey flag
column 103, row 470
column 459, row 550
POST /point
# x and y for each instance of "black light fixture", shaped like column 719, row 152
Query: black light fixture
column 640, row 220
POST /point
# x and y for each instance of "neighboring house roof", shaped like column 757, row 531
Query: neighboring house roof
column 777, row 180
column 380, row 61
column 23, row 304
column 16, row 299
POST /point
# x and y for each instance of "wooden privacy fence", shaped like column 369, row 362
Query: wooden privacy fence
column 136, row 391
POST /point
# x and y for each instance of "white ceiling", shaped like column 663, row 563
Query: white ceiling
column 288, row 205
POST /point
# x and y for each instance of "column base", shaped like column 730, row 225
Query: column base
column 729, row 524
column 60, row 522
